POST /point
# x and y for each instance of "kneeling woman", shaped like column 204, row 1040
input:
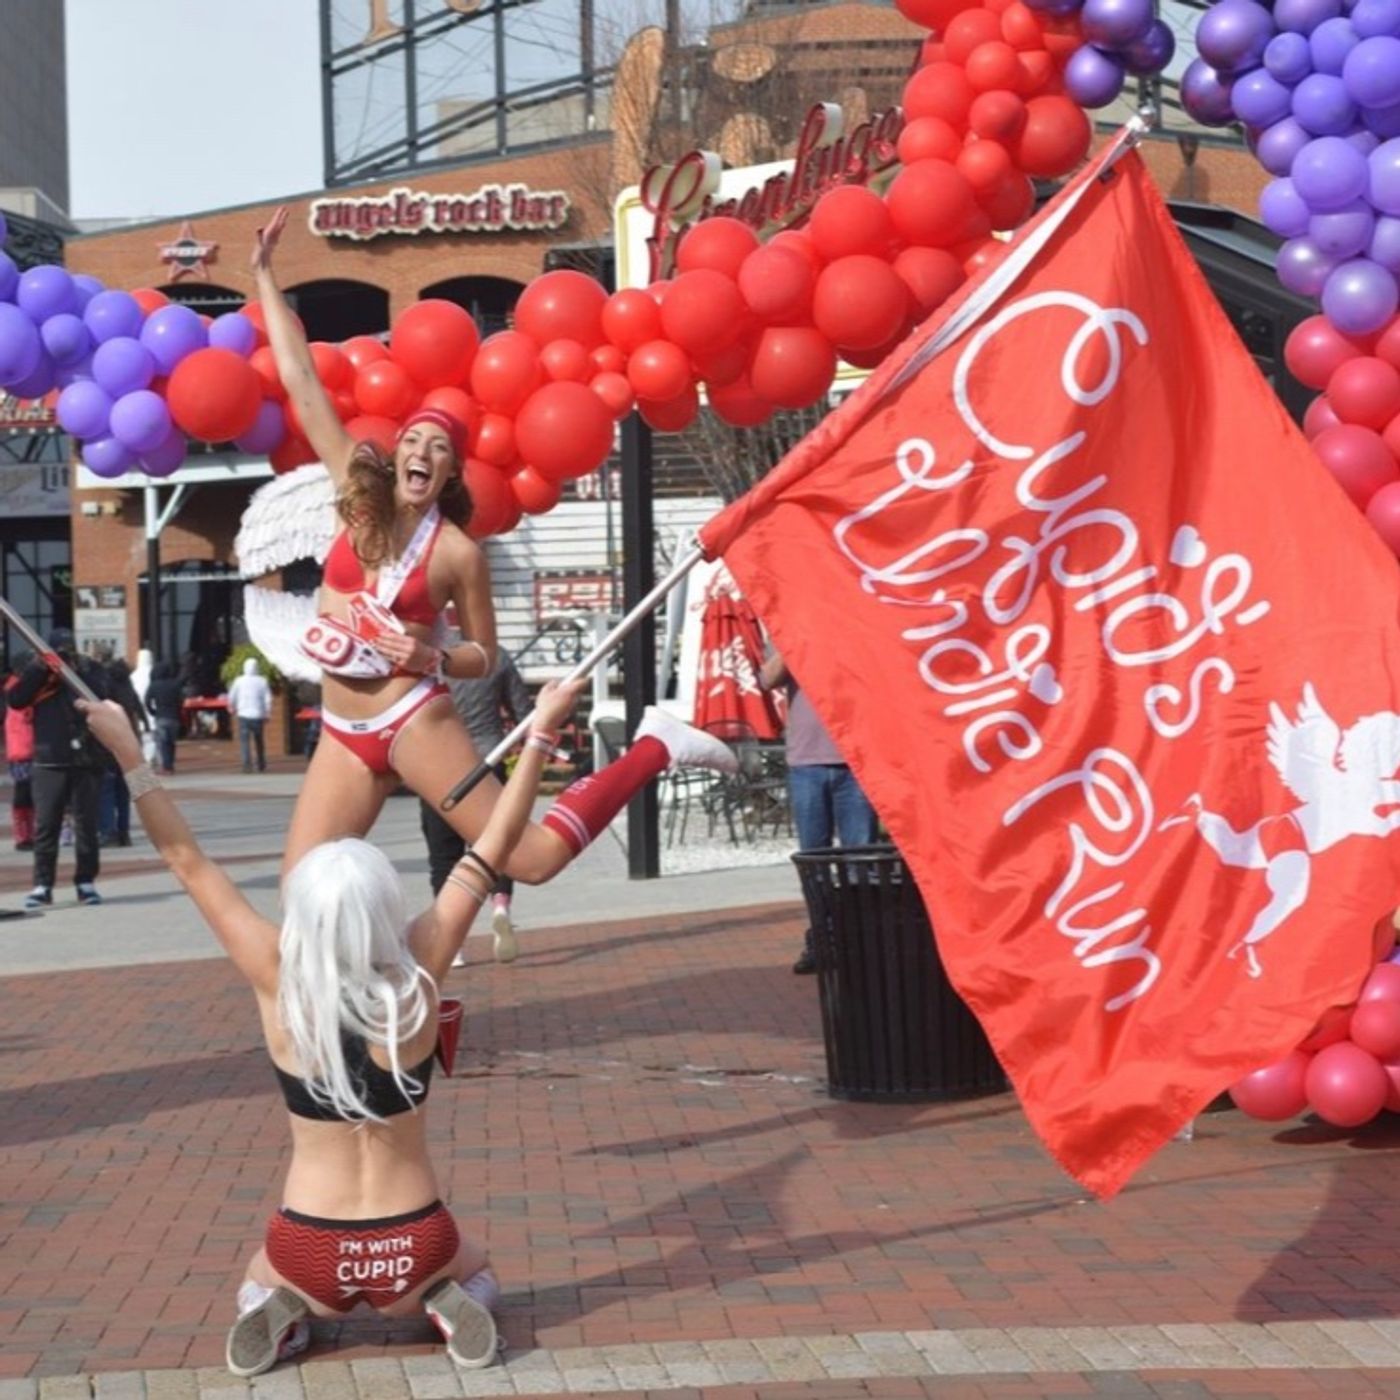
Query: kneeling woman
column 347, row 990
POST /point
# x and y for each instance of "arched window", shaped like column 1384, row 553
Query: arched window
column 491, row 300
column 207, row 298
column 336, row 308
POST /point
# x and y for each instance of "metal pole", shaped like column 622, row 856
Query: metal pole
column 410, row 81
column 327, row 96
column 499, row 34
column 152, row 501
column 586, row 62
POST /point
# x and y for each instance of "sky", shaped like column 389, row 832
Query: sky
column 176, row 106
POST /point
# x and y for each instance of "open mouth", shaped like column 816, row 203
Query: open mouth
column 417, row 474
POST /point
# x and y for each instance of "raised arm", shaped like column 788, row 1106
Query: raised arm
column 438, row 933
column 249, row 939
column 324, row 430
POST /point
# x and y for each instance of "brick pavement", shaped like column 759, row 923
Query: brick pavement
column 640, row 1132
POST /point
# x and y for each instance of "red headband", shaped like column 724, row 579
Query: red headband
column 453, row 427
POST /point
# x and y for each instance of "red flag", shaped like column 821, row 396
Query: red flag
column 1116, row 661
column 728, row 698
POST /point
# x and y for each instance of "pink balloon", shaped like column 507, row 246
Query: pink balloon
column 1275, row 1092
column 1392, row 1094
column 1382, row 985
column 1346, row 1086
column 1332, row 1026
column 1319, row 417
column 1375, row 1027
column 1383, row 511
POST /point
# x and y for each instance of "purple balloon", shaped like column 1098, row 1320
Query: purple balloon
column 1303, row 16
column 20, row 347
column 38, row 381
column 66, row 338
column 71, row 374
column 234, row 331
column 1345, row 232
column 45, row 291
column 1363, row 141
column 1150, row 54
column 1330, row 43
column 1093, row 78
column 1206, row 94
column 1278, row 147
column 1372, row 72
column 85, row 287
column 1383, row 122
column 172, row 332
column 9, row 277
column 112, row 314
column 268, row 430
column 84, row 410
column 1329, row 173
column 1372, row 17
column 123, row 365
column 4, row 229
column 1302, row 268
column 105, row 456
column 1360, row 297
column 1283, row 209
column 1385, row 243
column 1259, row 99
column 1113, row 24
column 1288, row 57
column 1383, row 178
column 167, row 457
column 1323, row 105
column 140, row 421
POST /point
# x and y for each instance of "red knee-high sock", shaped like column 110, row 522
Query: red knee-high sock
column 584, row 809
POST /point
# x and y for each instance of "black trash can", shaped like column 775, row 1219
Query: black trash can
column 895, row 1030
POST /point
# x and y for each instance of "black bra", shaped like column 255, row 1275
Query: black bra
column 376, row 1086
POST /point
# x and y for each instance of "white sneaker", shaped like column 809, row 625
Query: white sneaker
column 688, row 747
column 505, row 944
column 466, row 1326
column 460, row 960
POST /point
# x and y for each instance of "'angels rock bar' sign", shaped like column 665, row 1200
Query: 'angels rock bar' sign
column 491, row 209
column 827, row 155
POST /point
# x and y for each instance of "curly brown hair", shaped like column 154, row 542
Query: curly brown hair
column 366, row 503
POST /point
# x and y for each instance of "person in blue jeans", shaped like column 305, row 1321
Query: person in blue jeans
column 827, row 802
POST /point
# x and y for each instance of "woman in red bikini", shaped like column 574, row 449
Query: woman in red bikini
column 402, row 557
column 347, row 990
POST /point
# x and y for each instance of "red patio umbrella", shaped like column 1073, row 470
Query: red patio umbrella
column 728, row 699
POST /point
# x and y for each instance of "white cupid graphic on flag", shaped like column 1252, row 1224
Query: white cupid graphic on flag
column 1343, row 779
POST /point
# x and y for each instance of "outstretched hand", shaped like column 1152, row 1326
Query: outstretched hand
column 267, row 239
column 111, row 727
column 555, row 702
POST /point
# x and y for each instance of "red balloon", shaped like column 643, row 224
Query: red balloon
column 494, row 440
column 535, row 494
column 1320, row 417
column 289, row 454
column 929, row 138
column 657, row 291
column 860, row 302
column 493, row 501
column 1383, row 984
column 1010, row 204
column 1383, row 938
column 719, row 245
column 456, row 403
column 931, row 276
column 850, row 219
column 434, row 340
column 1375, row 1027
column 1387, row 344
column 384, row 389
column 796, row 241
column 254, row 312
column 264, row 365
column 968, row 31
column 671, row 415
column 506, row 371
column 1333, row 1026
column 615, row 391
column 608, row 359
column 986, row 166
column 1054, row 139
column 930, row 51
column 1391, row 435
column 566, row 359
column 564, row 305
column 930, row 203
column 383, row 433
column 1365, row 391
column 870, row 359
column 362, row 350
column 1277, row 1091
column 738, row 405
column 776, row 284
column 994, row 67
column 1061, row 35
column 1358, row 459
column 214, row 395
column 1040, row 74
column 332, row 368
column 1020, row 26
column 1315, row 350
column 564, row 430
column 1392, row 1095
column 996, row 116
column 727, row 365
column 703, row 311
column 148, row 299
column 1383, row 511
column 932, row 14
column 1346, row 1086
column 793, row 366
column 630, row 319
column 939, row 90
column 659, row 371
column 345, row 404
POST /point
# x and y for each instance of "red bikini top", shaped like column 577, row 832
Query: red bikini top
column 345, row 573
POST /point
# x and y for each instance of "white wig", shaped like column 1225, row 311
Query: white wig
column 346, row 968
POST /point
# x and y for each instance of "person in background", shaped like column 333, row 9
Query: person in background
column 165, row 698
column 114, row 806
column 250, row 701
column 67, row 770
column 19, row 754
column 482, row 703
column 826, row 799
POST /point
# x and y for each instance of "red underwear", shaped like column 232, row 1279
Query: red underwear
column 343, row 1262
column 372, row 740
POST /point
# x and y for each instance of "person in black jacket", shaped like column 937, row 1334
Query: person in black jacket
column 165, row 700
column 67, row 772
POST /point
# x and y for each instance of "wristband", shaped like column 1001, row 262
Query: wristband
column 141, row 781
column 481, row 865
column 543, row 743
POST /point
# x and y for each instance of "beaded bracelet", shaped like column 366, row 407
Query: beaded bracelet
column 141, row 781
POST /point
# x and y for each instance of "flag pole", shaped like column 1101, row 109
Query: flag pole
column 608, row 644
column 41, row 649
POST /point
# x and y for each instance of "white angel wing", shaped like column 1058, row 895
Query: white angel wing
column 292, row 517
column 275, row 622
column 1304, row 752
column 1371, row 747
